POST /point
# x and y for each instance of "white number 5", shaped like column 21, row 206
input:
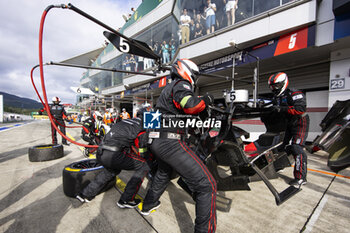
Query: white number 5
column 232, row 96
column 123, row 45
column 293, row 39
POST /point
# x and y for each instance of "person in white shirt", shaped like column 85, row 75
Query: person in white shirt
column 185, row 27
column 231, row 7
column 210, row 16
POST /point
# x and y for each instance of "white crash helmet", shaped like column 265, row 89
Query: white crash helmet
column 185, row 69
column 147, row 106
column 56, row 100
column 278, row 83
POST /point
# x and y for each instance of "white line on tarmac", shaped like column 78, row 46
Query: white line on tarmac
column 12, row 126
column 316, row 215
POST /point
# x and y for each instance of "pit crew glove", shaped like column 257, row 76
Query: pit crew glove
column 280, row 109
column 208, row 99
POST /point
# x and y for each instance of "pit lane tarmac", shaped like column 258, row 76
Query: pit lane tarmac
column 32, row 199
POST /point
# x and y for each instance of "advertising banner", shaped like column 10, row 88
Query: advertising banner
column 161, row 82
column 293, row 41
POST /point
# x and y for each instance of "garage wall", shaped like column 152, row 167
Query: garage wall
column 340, row 72
column 317, row 105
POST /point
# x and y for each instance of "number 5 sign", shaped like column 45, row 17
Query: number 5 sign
column 292, row 42
column 123, row 45
column 131, row 46
column 293, row 39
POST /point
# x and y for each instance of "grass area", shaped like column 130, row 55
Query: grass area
column 19, row 110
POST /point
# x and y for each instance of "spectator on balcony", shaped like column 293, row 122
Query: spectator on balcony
column 179, row 33
column 172, row 44
column 185, row 27
column 165, row 52
column 198, row 31
column 200, row 19
column 173, row 39
column 192, row 27
column 127, row 64
column 132, row 62
column 157, row 48
column 221, row 13
column 137, row 63
column 209, row 10
column 191, row 13
column 231, row 7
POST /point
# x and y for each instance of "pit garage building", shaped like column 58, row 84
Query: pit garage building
column 307, row 39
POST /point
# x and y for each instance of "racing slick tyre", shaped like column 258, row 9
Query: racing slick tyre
column 45, row 152
column 78, row 175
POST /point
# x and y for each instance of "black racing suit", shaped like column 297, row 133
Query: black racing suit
column 123, row 148
column 58, row 112
column 293, row 106
column 178, row 98
column 89, row 133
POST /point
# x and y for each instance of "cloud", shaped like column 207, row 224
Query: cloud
column 66, row 34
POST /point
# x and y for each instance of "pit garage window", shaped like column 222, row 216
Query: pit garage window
column 163, row 38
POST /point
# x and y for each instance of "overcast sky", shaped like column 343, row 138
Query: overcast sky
column 66, row 34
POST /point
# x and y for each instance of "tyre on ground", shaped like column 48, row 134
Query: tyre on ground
column 76, row 176
column 45, row 152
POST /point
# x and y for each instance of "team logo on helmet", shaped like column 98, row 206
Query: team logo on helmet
column 278, row 83
column 186, row 69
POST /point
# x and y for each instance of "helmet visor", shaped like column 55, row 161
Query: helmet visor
column 195, row 75
column 276, row 86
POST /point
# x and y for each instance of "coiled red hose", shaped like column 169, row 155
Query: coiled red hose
column 36, row 90
column 43, row 80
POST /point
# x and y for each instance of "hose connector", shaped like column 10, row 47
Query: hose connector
column 63, row 6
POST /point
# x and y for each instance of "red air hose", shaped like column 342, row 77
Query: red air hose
column 36, row 90
column 43, row 81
